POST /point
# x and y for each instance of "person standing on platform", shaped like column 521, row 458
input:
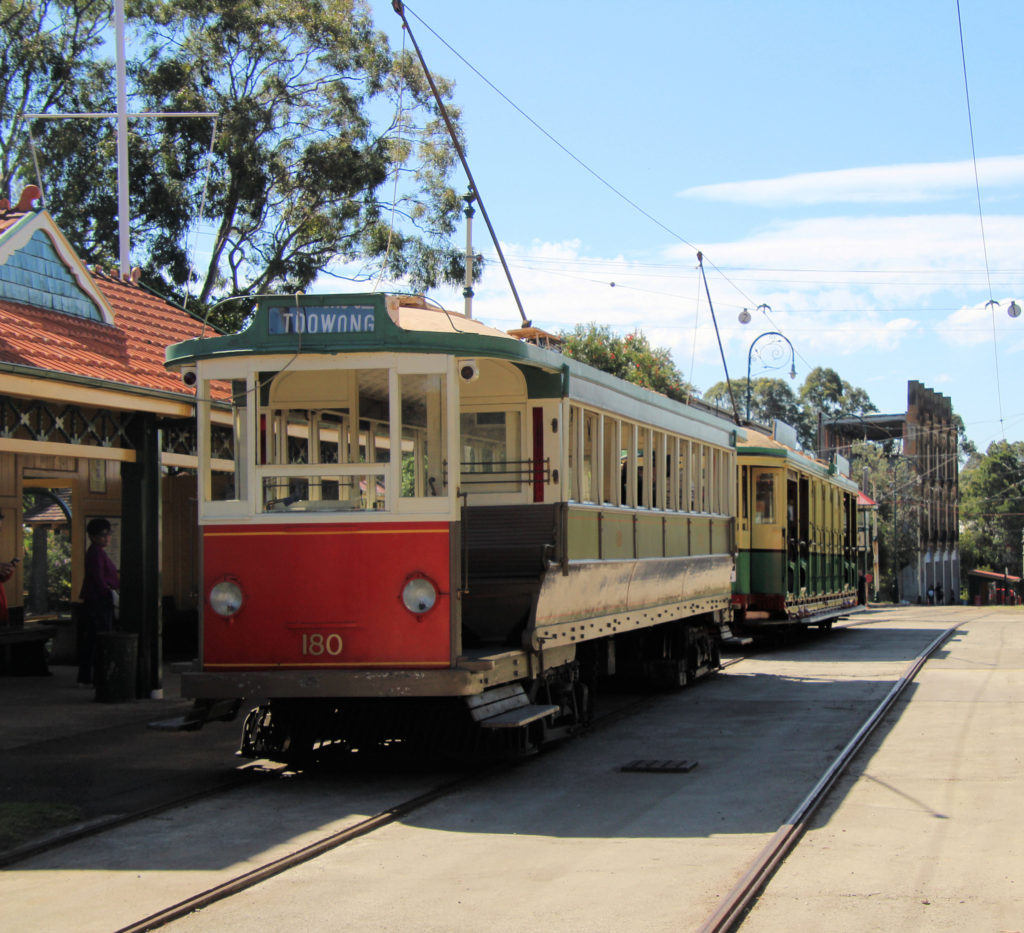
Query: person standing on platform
column 101, row 580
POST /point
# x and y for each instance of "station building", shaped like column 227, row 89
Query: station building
column 89, row 413
column 925, row 439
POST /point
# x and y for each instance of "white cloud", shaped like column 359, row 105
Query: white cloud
column 874, row 185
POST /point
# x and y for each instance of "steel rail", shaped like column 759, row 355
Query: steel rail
column 757, row 876
column 261, row 873
column 315, row 849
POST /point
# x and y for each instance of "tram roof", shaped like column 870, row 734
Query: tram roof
column 758, row 444
column 373, row 323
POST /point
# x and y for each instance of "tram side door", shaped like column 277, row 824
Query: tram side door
column 792, row 535
column 798, row 531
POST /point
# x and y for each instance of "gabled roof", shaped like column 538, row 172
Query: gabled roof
column 122, row 345
column 39, row 267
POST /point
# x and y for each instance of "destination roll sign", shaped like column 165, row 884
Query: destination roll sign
column 321, row 319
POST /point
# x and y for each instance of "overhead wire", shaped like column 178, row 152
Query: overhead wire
column 587, row 168
column 992, row 303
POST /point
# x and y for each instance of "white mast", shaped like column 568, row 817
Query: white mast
column 123, row 235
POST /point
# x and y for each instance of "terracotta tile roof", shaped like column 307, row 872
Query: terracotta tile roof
column 130, row 353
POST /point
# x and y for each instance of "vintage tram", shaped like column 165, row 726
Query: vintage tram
column 796, row 562
column 419, row 530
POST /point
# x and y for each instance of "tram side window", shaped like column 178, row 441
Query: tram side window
column 588, row 492
column 703, row 479
column 424, row 472
column 764, row 499
column 491, row 451
column 227, row 447
column 611, row 473
column 685, row 477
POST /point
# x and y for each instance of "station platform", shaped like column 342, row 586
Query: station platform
column 67, row 760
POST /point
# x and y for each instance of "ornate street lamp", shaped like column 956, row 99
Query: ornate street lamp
column 772, row 355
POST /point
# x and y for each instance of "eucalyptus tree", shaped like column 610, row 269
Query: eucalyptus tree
column 329, row 155
column 48, row 63
column 770, row 398
column 992, row 509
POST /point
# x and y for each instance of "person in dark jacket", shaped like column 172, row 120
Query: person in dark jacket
column 101, row 580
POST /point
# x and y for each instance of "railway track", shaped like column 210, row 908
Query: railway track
column 741, row 897
column 363, row 827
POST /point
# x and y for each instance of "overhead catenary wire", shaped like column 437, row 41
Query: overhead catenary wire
column 992, row 303
column 587, row 168
column 399, row 8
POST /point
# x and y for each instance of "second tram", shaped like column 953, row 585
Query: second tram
column 796, row 563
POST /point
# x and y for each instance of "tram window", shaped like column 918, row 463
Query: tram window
column 643, row 490
column 630, row 464
column 226, row 447
column 673, row 454
column 702, row 479
column 764, row 499
column 588, row 491
column 330, row 418
column 685, row 477
column 722, row 481
column 571, row 479
column 491, row 451
column 423, row 433
column 611, row 473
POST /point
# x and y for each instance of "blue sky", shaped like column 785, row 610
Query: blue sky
column 818, row 154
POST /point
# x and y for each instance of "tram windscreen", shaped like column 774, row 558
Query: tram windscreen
column 328, row 431
column 423, row 435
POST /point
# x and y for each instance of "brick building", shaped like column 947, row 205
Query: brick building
column 925, row 439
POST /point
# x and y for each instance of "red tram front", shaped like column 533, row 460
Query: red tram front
column 305, row 596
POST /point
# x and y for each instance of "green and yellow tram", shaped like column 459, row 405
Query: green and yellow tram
column 796, row 537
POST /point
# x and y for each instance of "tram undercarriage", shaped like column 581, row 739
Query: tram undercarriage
column 508, row 720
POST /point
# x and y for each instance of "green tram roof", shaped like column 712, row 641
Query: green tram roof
column 379, row 323
column 757, row 444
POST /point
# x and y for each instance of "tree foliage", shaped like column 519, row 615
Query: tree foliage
column 885, row 475
column 769, row 399
column 992, row 509
column 329, row 149
column 48, row 52
column 631, row 358
column 826, row 394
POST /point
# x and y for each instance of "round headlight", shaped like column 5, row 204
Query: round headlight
column 226, row 598
column 419, row 595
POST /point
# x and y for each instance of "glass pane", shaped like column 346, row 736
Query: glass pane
column 328, row 493
column 226, row 444
column 764, row 499
column 331, row 418
column 423, row 443
column 490, row 451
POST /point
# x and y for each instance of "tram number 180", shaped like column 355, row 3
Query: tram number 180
column 315, row 644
